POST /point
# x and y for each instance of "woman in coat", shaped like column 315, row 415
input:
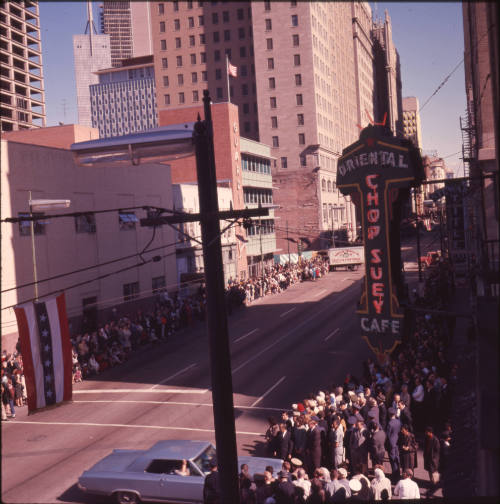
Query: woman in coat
column 407, row 448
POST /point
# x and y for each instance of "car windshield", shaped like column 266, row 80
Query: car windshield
column 203, row 460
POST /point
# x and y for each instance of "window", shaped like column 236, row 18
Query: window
column 215, row 18
column 164, row 63
column 161, row 8
column 162, row 26
column 228, row 52
column 246, row 126
column 284, row 162
column 194, row 77
column 329, row 186
column 243, row 52
column 302, row 138
column 179, row 61
column 298, row 79
column 157, row 283
column 269, row 43
column 189, row 5
column 201, row 20
column 176, row 5
column 272, row 83
column 243, row 69
column 225, row 16
column 219, row 92
column 299, row 100
column 276, row 141
column 216, row 37
column 202, row 38
column 130, row 291
column 192, row 58
column 295, row 20
column 246, row 108
column 272, row 101
column 325, row 212
column 166, row 99
column 191, row 40
column 240, row 14
column 181, row 98
column 177, row 24
column 296, row 59
column 127, row 220
column 300, row 119
column 203, row 57
column 269, row 25
column 227, row 35
column 196, row 96
column 191, row 22
column 165, row 81
column 270, row 63
column 218, row 74
column 177, row 42
column 295, row 40
column 303, row 161
column 163, row 45
column 244, row 89
column 267, row 6
column 241, row 33
column 180, row 79
column 274, row 122
column 204, row 76
column 25, row 226
column 323, row 185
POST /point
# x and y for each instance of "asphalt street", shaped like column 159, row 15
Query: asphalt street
column 283, row 347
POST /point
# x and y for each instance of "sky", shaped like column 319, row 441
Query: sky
column 428, row 37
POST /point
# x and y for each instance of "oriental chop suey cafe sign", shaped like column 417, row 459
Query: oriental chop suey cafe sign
column 377, row 171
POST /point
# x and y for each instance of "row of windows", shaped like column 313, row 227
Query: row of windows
column 276, row 140
column 272, row 81
column 284, row 161
column 296, row 62
column 266, row 226
column 267, row 5
column 255, row 164
column 273, row 101
column 204, row 78
column 274, row 121
column 333, row 214
column 217, row 57
column 330, row 186
column 240, row 13
column 216, row 38
column 252, row 195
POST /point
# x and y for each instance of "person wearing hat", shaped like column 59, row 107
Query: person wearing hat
column 364, row 493
column 344, row 481
column 406, row 488
column 356, row 487
column 211, row 488
column 285, row 489
column 380, row 486
column 393, row 430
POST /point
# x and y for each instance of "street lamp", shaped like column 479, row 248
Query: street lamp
column 41, row 205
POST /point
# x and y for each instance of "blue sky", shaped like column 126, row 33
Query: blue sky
column 428, row 37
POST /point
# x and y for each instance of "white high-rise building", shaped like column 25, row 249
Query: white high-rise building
column 91, row 53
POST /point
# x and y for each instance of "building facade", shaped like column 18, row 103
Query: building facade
column 128, row 25
column 411, row 120
column 67, row 244
column 257, row 181
column 189, row 252
column 22, row 92
column 124, row 100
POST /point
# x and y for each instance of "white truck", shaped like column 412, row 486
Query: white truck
column 349, row 257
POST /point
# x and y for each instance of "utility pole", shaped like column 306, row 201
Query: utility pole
column 261, row 255
column 288, row 241
column 33, row 251
column 418, row 239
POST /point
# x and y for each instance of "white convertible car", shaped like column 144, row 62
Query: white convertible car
column 131, row 476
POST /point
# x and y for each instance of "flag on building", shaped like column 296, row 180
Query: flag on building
column 232, row 70
column 46, row 350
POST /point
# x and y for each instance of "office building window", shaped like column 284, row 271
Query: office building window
column 269, row 25
column 269, row 43
column 191, row 22
column 300, row 119
column 246, row 126
column 194, row 77
column 179, row 61
column 244, row 89
column 180, row 79
column 225, row 16
column 181, row 98
column 204, row 76
column 227, row 35
column 241, row 33
column 284, row 162
column 272, row 82
column 203, row 57
column 228, row 52
column 161, row 8
column 295, row 20
column 246, row 108
column 219, row 93
column 240, row 14
column 302, row 138
column 267, row 6
column 166, row 99
column 85, row 223
column 164, row 63
column 177, row 24
column 272, row 101
column 165, row 81
column 244, row 71
column 191, row 40
column 299, row 99
column 127, row 220
column 215, row 18
column 296, row 59
column 217, row 55
column 216, row 37
column 195, row 96
column 276, row 141
column 193, row 59
column 189, row 5
column 201, row 20
column 295, row 40
column 25, row 226
column 158, row 283
column 162, row 26
column 298, row 79
column 243, row 52
column 270, row 63
column 177, row 42
column 218, row 74
column 163, row 45
column 202, row 38
column 176, row 5
column 274, row 122
column 130, row 291
column 303, row 161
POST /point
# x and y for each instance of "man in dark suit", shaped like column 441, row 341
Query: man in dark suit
column 393, row 429
column 313, row 447
column 382, row 411
column 211, row 488
column 376, row 443
column 285, row 489
column 284, row 443
column 405, row 415
column 431, row 455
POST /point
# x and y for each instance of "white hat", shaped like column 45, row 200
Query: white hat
column 355, row 485
column 321, row 393
column 343, row 472
column 294, row 406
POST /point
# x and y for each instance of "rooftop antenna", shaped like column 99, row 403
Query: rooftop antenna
column 90, row 24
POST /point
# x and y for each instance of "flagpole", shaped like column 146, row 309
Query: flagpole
column 227, row 73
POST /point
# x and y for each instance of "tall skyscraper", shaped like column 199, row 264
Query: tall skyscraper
column 91, row 53
column 22, row 93
column 304, row 82
column 128, row 25
column 411, row 120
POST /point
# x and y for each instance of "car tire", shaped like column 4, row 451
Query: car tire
column 127, row 498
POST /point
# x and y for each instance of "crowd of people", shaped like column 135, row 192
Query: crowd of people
column 13, row 384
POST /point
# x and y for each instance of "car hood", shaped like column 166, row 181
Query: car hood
column 257, row 465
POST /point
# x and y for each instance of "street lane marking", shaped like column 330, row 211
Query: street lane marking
column 162, row 427
column 290, row 310
column 268, row 390
column 174, row 375
column 176, row 403
column 147, row 391
column 332, row 334
column 319, row 292
column 245, row 335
